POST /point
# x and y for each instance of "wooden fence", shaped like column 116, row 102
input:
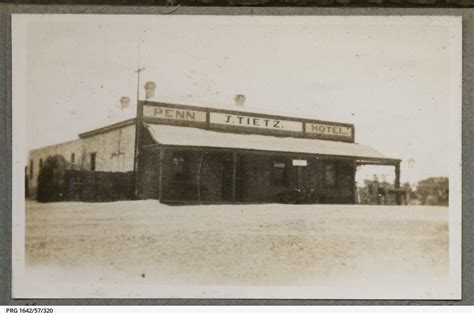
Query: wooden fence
column 98, row 186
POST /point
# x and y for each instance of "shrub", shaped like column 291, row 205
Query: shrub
column 51, row 179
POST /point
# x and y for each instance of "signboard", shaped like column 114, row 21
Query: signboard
column 255, row 122
column 299, row 163
column 329, row 130
column 279, row 164
column 174, row 113
column 210, row 118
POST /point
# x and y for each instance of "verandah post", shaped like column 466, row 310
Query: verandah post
column 136, row 154
column 397, row 183
column 354, row 187
column 160, row 174
column 234, row 175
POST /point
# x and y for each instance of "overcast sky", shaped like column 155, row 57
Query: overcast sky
column 388, row 76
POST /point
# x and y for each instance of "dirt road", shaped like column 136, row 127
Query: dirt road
column 239, row 244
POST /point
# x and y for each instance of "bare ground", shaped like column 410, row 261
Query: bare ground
column 239, row 244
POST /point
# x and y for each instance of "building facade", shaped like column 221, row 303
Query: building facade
column 188, row 154
column 108, row 149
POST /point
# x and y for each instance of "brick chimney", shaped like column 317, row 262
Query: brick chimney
column 150, row 87
column 124, row 102
column 239, row 100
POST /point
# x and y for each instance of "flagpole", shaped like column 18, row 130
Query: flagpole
column 138, row 71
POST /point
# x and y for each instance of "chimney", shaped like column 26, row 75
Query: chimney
column 124, row 102
column 150, row 87
column 239, row 100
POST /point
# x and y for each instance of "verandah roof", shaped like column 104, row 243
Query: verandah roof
column 196, row 137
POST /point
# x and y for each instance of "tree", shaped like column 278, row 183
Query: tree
column 433, row 191
column 51, row 179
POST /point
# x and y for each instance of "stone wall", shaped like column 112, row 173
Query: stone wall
column 114, row 150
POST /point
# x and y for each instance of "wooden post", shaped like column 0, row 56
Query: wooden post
column 138, row 129
column 298, row 176
column 136, row 156
column 397, row 183
column 160, row 174
column 234, row 175
column 354, row 185
column 377, row 194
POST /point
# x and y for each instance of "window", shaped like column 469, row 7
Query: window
column 93, row 160
column 330, row 175
column 73, row 160
column 179, row 167
column 31, row 169
column 279, row 174
column 41, row 163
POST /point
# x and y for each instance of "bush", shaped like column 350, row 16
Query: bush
column 369, row 193
column 51, row 179
column 433, row 191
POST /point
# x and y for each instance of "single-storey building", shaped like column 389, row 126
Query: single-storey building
column 188, row 154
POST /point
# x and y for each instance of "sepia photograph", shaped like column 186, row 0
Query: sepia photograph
column 199, row 156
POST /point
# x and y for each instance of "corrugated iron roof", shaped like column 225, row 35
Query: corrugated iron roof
column 107, row 128
column 196, row 137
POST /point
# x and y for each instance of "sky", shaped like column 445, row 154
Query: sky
column 390, row 77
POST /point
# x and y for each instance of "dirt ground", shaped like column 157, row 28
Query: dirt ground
column 239, row 244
